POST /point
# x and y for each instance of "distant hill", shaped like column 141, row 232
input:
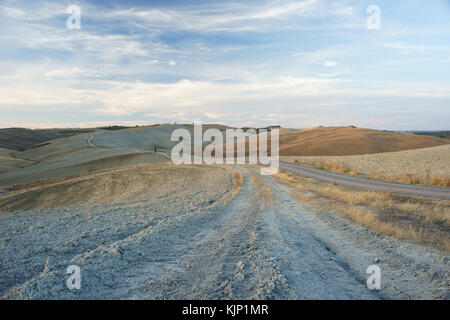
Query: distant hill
column 337, row 141
column 86, row 153
column 22, row 138
column 326, row 141
column 440, row 134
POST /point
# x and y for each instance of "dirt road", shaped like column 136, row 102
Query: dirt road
column 365, row 184
column 210, row 238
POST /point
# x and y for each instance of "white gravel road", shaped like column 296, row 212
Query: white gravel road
column 206, row 244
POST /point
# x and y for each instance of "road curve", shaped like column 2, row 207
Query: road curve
column 365, row 184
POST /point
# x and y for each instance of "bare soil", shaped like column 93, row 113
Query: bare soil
column 198, row 232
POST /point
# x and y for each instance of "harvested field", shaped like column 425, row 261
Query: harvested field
column 427, row 166
column 339, row 141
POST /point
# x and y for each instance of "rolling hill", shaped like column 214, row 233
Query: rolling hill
column 88, row 152
column 105, row 149
column 22, row 138
column 340, row 141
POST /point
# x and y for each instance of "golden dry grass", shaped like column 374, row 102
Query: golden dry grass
column 263, row 196
column 419, row 220
column 238, row 182
column 429, row 178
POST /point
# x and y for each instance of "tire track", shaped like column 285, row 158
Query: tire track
column 229, row 260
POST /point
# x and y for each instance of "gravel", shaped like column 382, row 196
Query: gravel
column 172, row 242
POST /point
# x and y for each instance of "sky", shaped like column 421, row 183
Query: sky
column 296, row 64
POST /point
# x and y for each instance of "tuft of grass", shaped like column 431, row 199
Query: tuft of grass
column 335, row 166
column 238, row 182
column 429, row 178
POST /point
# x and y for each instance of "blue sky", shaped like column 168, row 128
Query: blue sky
column 296, row 63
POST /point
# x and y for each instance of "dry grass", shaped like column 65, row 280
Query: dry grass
column 429, row 178
column 238, row 182
column 142, row 184
column 263, row 196
column 419, row 220
column 334, row 166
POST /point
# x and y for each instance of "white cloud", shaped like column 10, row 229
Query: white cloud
column 216, row 116
column 407, row 48
column 12, row 12
column 66, row 72
column 232, row 17
column 330, row 64
column 75, row 124
column 120, row 98
column 211, row 99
